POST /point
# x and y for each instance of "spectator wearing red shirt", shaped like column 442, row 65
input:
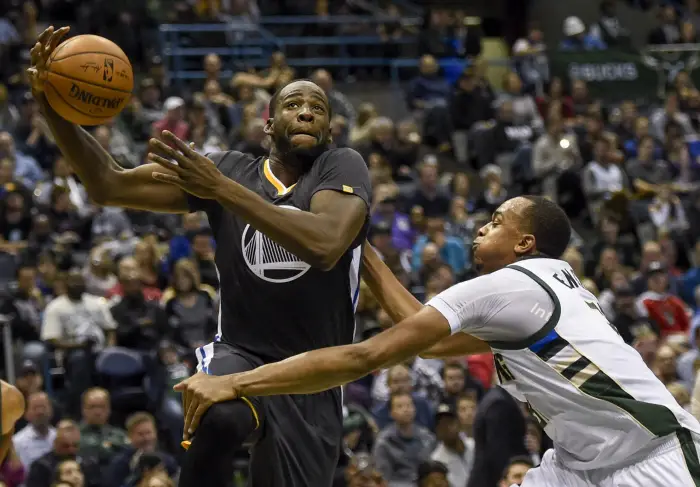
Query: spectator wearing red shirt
column 174, row 120
column 665, row 311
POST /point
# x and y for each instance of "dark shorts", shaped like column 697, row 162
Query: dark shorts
column 298, row 441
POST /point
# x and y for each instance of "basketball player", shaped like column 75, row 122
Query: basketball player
column 11, row 409
column 611, row 420
column 289, row 230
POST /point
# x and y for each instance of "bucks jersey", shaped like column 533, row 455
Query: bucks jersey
column 553, row 347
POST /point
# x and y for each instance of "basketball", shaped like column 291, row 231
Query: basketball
column 89, row 80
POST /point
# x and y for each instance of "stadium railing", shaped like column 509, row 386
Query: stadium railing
column 250, row 45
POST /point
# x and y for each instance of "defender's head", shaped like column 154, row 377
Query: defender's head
column 299, row 122
column 522, row 226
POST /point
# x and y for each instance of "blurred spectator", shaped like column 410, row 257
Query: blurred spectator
column 26, row 169
column 340, row 105
column 668, row 31
column 399, row 381
column 608, row 28
column 454, row 449
column 403, row 445
column 515, row 471
column 523, row 108
column 65, row 447
column 577, row 39
column 661, row 118
column 70, row 472
column 530, row 58
column 428, row 88
column 98, row 439
column 37, row 438
column 432, row 474
column 667, row 312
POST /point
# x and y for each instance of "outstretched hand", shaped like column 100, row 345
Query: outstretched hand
column 199, row 393
column 46, row 44
column 192, row 172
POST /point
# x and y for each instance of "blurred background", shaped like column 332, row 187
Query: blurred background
column 455, row 106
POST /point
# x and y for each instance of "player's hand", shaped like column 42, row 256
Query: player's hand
column 41, row 52
column 199, row 393
column 193, row 173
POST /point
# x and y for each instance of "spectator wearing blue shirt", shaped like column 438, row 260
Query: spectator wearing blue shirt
column 450, row 249
column 577, row 39
column 428, row 89
column 27, row 170
column 399, row 382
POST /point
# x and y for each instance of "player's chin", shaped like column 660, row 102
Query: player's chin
column 303, row 141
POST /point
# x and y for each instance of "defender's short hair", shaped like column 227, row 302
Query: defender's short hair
column 549, row 224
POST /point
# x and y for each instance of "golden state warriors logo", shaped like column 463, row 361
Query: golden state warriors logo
column 268, row 260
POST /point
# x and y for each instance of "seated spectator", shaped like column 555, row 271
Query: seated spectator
column 340, row 105
column 451, row 249
column 563, row 104
column 530, row 57
column 646, row 173
column 454, row 449
column 24, row 304
column 608, row 28
column 515, row 471
column 380, row 139
column 670, row 112
column 71, row 473
column 429, row 88
column 524, row 109
column 668, row 31
column 63, row 176
column 667, row 312
column 65, row 447
column 190, row 307
column 469, row 102
column 399, row 381
column 174, row 119
column 148, row 261
column 99, row 439
column 359, row 134
column 602, row 177
column 426, row 380
column 428, row 193
column 363, row 472
column 26, row 169
column 15, row 222
column 664, row 365
column 99, row 278
column 458, row 382
column 667, row 213
column 36, row 438
column 554, row 153
column 432, row 474
column 127, row 269
column 577, row 39
column 466, row 408
column 631, row 325
column 143, row 438
column 403, row 445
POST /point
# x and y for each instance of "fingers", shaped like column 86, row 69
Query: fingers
column 165, row 150
column 46, row 35
column 182, row 146
column 202, row 408
column 56, row 39
column 169, row 178
column 166, row 163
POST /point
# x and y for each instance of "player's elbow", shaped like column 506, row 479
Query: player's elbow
column 324, row 255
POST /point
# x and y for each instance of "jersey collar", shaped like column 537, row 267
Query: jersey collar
column 278, row 188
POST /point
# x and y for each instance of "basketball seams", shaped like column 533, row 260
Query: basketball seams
column 62, row 75
column 124, row 60
column 61, row 46
column 90, row 115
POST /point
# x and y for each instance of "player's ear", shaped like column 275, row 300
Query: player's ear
column 268, row 126
column 526, row 245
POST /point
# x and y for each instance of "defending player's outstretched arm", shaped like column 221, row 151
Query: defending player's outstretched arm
column 399, row 304
column 105, row 181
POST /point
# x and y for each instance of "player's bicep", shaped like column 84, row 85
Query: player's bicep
column 407, row 339
column 456, row 345
column 136, row 188
column 343, row 216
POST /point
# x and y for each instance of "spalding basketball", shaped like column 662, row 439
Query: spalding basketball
column 89, row 80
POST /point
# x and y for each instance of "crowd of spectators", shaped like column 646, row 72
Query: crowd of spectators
column 107, row 305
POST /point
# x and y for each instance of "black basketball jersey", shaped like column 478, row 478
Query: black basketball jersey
column 273, row 304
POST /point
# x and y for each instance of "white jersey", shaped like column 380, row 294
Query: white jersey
column 553, row 347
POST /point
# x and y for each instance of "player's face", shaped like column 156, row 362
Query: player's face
column 501, row 241
column 301, row 125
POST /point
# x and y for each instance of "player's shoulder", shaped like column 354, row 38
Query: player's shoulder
column 343, row 155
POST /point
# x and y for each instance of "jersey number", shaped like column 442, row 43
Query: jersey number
column 504, row 374
column 596, row 307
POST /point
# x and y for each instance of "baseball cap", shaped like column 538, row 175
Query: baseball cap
column 655, row 267
column 173, row 103
column 444, row 410
column 28, row 367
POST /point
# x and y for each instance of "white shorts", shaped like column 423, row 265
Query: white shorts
column 673, row 464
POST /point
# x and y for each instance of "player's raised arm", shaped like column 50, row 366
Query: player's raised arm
column 399, row 304
column 320, row 236
column 105, row 181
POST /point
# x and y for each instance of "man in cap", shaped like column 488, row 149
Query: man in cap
column 455, row 450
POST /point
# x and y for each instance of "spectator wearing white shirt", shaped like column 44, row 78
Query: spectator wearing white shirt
column 530, row 57
column 36, row 439
column 455, row 449
column 601, row 177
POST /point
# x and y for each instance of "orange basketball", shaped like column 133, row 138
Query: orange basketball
column 89, row 80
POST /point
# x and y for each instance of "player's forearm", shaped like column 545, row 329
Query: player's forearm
column 89, row 160
column 395, row 299
column 306, row 235
column 307, row 373
column 5, row 445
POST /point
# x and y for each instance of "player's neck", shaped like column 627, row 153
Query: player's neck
column 287, row 172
